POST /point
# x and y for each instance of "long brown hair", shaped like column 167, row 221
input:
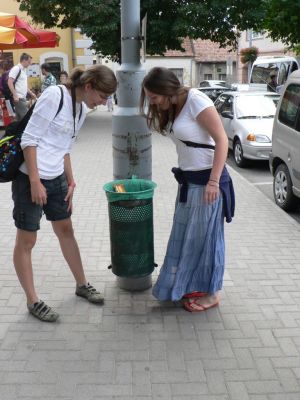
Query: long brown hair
column 99, row 76
column 163, row 82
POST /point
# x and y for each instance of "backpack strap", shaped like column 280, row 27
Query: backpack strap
column 17, row 77
column 61, row 101
column 24, row 121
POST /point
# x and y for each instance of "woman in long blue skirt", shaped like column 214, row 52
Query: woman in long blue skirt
column 193, row 267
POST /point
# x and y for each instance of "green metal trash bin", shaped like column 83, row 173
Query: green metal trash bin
column 131, row 231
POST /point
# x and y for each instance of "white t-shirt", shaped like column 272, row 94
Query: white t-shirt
column 21, row 85
column 52, row 136
column 186, row 127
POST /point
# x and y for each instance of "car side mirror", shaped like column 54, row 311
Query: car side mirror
column 227, row 114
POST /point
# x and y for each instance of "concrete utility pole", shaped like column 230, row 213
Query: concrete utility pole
column 131, row 137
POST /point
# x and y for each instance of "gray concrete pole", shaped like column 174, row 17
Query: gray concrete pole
column 131, row 137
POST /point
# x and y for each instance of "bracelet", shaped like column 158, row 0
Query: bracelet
column 213, row 180
column 72, row 185
column 212, row 184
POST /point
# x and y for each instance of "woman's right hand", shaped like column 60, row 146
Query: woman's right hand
column 38, row 193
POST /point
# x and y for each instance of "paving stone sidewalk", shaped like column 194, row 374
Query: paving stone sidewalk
column 135, row 348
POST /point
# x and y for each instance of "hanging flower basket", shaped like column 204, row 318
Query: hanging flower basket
column 249, row 54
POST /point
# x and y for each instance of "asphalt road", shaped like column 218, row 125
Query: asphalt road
column 258, row 174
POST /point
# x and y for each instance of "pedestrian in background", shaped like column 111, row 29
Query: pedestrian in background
column 5, row 91
column 18, row 85
column 110, row 105
column 63, row 77
column 49, row 79
column 194, row 264
column 46, row 184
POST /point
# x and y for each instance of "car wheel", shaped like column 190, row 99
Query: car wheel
column 238, row 154
column 282, row 189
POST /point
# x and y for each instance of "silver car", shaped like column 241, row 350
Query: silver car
column 248, row 118
column 285, row 155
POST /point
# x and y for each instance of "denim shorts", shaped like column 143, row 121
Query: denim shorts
column 27, row 215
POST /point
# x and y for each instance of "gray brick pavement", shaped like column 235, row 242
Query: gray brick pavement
column 134, row 348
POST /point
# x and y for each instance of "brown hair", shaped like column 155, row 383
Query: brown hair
column 25, row 57
column 100, row 77
column 163, row 82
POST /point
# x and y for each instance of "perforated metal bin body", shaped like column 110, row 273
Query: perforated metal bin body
column 131, row 237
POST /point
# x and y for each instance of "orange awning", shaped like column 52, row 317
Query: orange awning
column 18, row 34
column 11, row 36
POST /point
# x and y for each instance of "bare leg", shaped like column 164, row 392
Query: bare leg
column 25, row 242
column 69, row 247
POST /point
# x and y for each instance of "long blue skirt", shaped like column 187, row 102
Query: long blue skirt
column 195, row 255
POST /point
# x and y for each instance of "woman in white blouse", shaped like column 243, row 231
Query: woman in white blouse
column 46, row 184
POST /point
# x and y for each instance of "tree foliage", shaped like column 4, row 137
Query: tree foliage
column 282, row 21
column 168, row 20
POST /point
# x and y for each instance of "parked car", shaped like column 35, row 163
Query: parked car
column 212, row 82
column 213, row 92
column 248, row 118
column 285, row 156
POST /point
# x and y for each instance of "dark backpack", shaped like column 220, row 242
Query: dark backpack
column 5, row 89
column 11, row 154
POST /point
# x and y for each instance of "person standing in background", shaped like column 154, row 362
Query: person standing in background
column 18, row 85
column 110, row 106
column 49, row 79
column 63, row 77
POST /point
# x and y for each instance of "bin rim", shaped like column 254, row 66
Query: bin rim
column 117, row 181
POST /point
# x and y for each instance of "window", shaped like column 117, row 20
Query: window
column 290, row 105
column 261, row 73
column 178, row 72
column 255, row 106
column 222, row 77
column 224, row 103
column 254, row 35
column 228, row 105
column 207, row 77
column 257, row 35
column 283, row 72
column 55, row 69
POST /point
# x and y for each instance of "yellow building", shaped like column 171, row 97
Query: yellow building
column 72, row 50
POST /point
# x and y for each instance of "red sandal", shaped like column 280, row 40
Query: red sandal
column 193, row 306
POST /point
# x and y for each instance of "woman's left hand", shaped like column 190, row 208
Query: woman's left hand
column 211, row 192
column 69, row 198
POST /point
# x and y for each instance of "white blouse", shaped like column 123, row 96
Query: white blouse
column 186, row 127
column 52, row 136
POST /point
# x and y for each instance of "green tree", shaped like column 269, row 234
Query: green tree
column 168, row 20
column 282, row 21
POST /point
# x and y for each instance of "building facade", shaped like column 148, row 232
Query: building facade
column 73, row 50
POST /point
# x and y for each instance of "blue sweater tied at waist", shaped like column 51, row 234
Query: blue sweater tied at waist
column 202, row 178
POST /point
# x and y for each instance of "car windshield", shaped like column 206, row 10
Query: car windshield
column 260, row 106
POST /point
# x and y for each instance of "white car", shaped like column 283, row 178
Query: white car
column 248, row 118
column 212, row 82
